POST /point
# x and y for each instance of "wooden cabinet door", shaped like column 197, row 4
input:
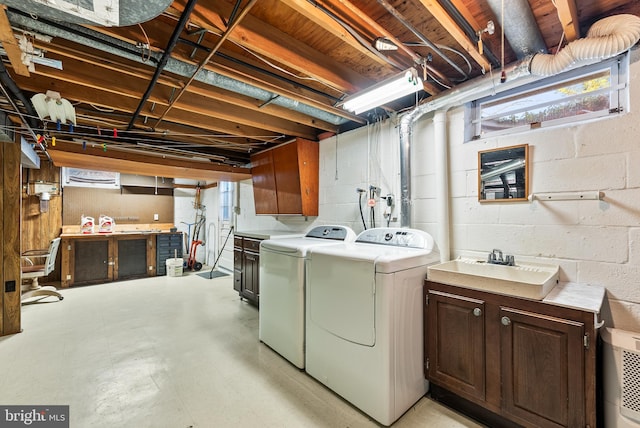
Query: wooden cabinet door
column 287, row 175
column 456, row 347
column 542, row 369
column 250, row 275
column 93, row 261
column 264, row 184
column 237, row 268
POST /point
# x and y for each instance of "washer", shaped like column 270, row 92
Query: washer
column 364, row 322
column 282, row 282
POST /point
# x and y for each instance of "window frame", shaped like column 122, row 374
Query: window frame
column 618, row 99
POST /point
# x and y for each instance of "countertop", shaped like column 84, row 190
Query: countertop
column 577, row 296
column 116, row 233
column 268, row 234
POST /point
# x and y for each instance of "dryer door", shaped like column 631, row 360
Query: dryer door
column 342, row 297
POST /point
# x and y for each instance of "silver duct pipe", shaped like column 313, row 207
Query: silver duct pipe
column 126, row 50
column 520, row 27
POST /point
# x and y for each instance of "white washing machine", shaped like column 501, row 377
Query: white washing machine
column 282, row 282
column 364, row 323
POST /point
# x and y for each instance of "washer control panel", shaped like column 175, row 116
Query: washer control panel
column 396, row 237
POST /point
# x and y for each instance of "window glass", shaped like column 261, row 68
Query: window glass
column 594, row 91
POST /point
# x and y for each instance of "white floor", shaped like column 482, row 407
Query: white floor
column 170, row 352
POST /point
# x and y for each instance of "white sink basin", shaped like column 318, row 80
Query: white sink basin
column 529, row 280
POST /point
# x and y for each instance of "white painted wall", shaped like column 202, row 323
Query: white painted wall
column 594, row 242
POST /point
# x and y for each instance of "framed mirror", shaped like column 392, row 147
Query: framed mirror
column 503, row 174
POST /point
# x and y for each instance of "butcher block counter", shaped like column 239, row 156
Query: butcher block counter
column 130, row 251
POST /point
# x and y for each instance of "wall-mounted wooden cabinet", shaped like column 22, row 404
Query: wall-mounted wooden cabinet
column 285, row 179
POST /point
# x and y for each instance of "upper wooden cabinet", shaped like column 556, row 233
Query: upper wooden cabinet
column 285, row 179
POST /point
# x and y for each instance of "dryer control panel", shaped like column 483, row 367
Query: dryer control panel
column 338, row 233
column 397, row 237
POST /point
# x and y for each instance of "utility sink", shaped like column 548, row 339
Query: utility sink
column 528, row 280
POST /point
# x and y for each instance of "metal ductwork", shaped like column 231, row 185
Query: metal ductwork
column 118, row 13
column 519, row 26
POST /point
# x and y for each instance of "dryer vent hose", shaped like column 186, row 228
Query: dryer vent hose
column 606, row 38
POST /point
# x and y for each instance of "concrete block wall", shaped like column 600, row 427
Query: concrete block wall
column 594, row 242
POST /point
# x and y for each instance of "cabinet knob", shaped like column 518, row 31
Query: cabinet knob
column 505, row 321
column 477, row 312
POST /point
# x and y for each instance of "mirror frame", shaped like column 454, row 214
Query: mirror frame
column 511, row 159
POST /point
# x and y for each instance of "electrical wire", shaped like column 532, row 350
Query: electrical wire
column 147, row 46
column 360, row 191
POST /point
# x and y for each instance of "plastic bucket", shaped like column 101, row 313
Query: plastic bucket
column 174, row 267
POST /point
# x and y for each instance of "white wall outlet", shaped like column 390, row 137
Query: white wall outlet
column 156, row 217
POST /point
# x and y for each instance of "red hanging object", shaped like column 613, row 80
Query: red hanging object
column 115, row 133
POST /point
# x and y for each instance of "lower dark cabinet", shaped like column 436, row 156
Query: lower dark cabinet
column 510, row 361
column 246, row 268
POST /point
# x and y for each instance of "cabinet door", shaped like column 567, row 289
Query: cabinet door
column 251, row 269
column 93, row 261
column 237, row 269
column 542, row 369
column 264, row 183
column 287, row 173
column 456, row 344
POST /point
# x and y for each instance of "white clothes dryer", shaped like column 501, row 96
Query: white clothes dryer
column 364, row 320
column 282, row 282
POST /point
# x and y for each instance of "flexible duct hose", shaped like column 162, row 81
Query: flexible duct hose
column 606, row 38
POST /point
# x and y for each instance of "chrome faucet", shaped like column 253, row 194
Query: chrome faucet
column 496, row 257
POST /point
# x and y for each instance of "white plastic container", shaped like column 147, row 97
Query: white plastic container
column 621, row 365
column 174, row 267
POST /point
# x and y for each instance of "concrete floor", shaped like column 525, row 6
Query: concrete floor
column 170, row 352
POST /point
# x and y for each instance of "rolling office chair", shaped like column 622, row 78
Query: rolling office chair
column 33, row 271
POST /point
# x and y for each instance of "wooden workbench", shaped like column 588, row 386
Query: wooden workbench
column 129, row 252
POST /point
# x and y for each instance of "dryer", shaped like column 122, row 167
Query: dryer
column 364, row 319
column 282, row 282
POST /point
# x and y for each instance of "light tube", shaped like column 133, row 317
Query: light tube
column 391, row 89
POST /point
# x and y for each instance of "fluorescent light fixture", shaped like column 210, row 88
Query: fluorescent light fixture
column 405, row 83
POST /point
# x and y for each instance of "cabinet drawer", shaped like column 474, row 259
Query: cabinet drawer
column 237, row 241
column 252, row 245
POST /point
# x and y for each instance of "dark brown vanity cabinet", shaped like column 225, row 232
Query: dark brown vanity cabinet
column 510, row 361
column 246, row 268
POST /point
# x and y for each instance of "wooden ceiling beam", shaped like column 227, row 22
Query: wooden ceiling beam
column 568, row 16
column 10, row 44
column 355, row 14
column 123, row 104
column 89, row 85
column 72, row 155
column 272, row 43
column 441, row 15
column 134, row 70
column 312, row 12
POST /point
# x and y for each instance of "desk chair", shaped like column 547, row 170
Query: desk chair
column 33, row 271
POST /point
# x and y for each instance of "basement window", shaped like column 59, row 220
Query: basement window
column 590, row 92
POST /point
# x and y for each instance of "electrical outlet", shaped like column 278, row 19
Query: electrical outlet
column 9, row 286
column 156, row 217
